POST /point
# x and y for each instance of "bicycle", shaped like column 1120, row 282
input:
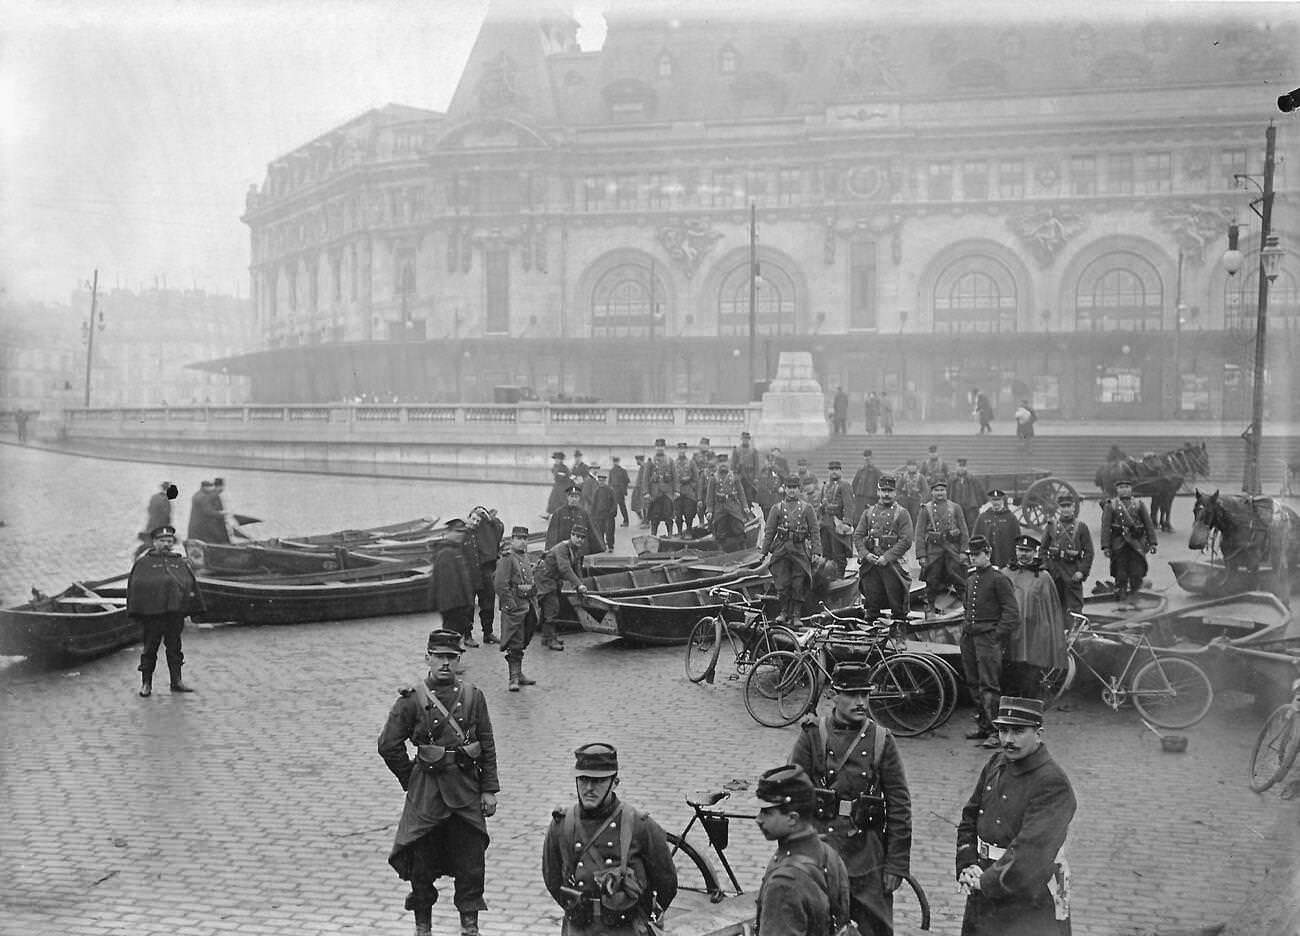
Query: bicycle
column 700, row 877
column 1278, row 744
column 1168, row 691
column 751, row 637
column 908, row 697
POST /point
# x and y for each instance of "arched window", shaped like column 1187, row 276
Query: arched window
column 622, row 301
column 975, row 294
column 1120, row 291
column 774, row 301
column 1241, row 299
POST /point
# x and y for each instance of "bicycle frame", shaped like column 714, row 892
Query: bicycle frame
column 1115, row 688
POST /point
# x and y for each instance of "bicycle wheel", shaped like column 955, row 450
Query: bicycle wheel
column 907, row 695
column 1275, row 748
column 694, row 872
column 1057, row 681
column 948, row 676
column 702, row 649
column 1172, row 692
column 779, row 689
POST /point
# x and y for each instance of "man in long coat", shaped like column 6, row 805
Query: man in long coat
column 864, row 486
column 965, row 490
column 941, row 539
column 1011, row 833
column 836, row 515
column 160, row 591
column 485, row 533
column 619, row 483
column 660, row 490
column 450, row 786
column 881, row 540
column 791, row 539
column 571, row 515
column 1068, row 549
column 726, row 506
column 517, row 594
column 1000, row 527
column 1127, row 535
column 744, row 463
column 1038, row 642
column 686, row 503
column 560, row 480
column 452, row 585
column 207, row 523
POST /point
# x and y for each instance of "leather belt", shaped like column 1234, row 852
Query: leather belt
column 988, row 850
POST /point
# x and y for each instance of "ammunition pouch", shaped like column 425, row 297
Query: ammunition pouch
column 828, row 804
column 579, row 909
column 934, row 537
column 436, row 759
column 868, row 812
column 953, row 536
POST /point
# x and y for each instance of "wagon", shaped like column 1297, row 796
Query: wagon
column 1033, row 493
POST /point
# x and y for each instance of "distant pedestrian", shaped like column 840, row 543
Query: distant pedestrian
column 983, row 410
column 603, row 511
column 158, row 513
column 561, row 478
column 486, row 532
column 1025, row 419
column 207, row 523
column 451, row 785
column 872, row 411
column 840, row 412
column 161, row 591
column 20, row 419
column 619, row 483
column 887, row 413
column 520, row 615
column 638, row 491
column 451, row 587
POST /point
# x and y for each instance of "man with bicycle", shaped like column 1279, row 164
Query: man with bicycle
column 605, row 862
column 1012, row 831
column 791, row 540
column 857, row 760
column 881, row 540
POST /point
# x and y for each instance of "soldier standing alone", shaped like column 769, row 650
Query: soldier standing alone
column 1067, row 544
column 1000, row 527
column 1128, row 535
column 940, row 542
column 160, row 591
column 835, row 506
column 991, row 615
column 517, row 593
column 791, row 540
column 881, row 539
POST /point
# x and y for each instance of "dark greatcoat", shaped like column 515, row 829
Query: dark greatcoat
column 1000, row 527
column 793, row 900
column 966, row 492
column 162, row 584
column 1025, row 807
column 452, row 584
column 726, row 507
column 561, row 526
column 206, row 521
column 864, row 490
column 159, row 514
column 660, row 490
column 1039, row 637
column 560, row 478
column 433, row 797
column 791, row 537
column 517, row 597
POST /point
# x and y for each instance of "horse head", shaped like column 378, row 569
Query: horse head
column 1206, row 516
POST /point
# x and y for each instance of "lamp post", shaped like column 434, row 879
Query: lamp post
column 1178, row 338
column 88, row 332
column 753, row 293
column 1269, row 257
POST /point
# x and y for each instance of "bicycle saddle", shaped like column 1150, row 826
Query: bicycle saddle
column 706, row 798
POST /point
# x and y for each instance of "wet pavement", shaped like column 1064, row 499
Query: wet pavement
column 259, row 806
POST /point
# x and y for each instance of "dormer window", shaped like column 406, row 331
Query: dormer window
column 664, row 65
column 728, row 60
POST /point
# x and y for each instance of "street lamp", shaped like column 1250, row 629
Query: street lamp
column 1270, row 256
column 88, row 332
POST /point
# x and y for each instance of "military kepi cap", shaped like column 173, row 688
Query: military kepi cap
column 978, row 544
column 886, row 483
column 1064, row 499
column 704, row 440
column 788, row 786
column 851, row 677
column 866, row 453
column 445, row 641
column 557, row 455
column 1014, row 711
column 833, row 466
column 595, row 760
column 1025, row 541
column 1123, row 481
column 792, row 481
column 961, row 461
column 163, row 530
column 573, row 489
column 578, row 530
column 519, row 531
column 938, row 483
column 998, row 492
column 660, row 443
column 723, row 457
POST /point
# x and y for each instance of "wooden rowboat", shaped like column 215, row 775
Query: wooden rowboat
column 1213, row 578
column 674, row 576
column 85, row 621
column 419, row 528
column 377, row 591
column 1196, row 625
column 697, row 539
column 228, row 559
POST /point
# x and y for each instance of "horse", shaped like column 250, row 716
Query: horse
column 1159, row 477
column 1251, row 532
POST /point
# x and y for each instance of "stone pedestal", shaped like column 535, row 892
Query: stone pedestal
column 794, row 407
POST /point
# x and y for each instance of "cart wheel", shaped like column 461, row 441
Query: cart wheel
column 1038, row 505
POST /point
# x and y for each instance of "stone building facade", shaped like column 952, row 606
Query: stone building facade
column 1036, row 208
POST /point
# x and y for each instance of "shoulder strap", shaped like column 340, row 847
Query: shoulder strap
column 877, row 748
column 569, row 830
column 428, row 698
column 625, row 835
column 826, row 733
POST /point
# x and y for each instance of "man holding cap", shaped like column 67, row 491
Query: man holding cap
column 881, row 539
column 517, row 594
column 790, row 541
column 1012, row 831
column 560, row 566
column 990, row 617
column 1000, row 527
column 941, row 539
column 1127, row 535
column 451, row 785
column 805, row 888
column 160, row 591
column 604, row 861
column 1067, row 546
column 856, row 758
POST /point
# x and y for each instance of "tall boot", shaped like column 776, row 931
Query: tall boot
column 469, row 923
column 991, row 700
column 177, row 685
column 146, row 685
column 523, row 680
column 513, row 664
column 424, row 921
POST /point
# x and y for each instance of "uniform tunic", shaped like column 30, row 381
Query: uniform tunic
column 836, row 503
column 1000, row 528
column 561, row 527
column 1025, row 807
column 791, row 538
column 517, row 595
column 1127, row 533
column 688, row 492
column 941, row 538
column 660, row 491
column 991, row 615
column 885, row 531
column 796, row 899
column 648, row 857
column 726, row 506
column 868, row 856
column 744, row 463
column 562, row 565
column 1068, row 548
column 967, row 493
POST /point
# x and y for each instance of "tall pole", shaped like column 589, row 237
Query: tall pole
column 654, row 358
column 753, row 292
column 1251, row 482
column 1178, row 337
column 90, row 334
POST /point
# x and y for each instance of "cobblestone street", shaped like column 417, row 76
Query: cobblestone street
column 259, row 806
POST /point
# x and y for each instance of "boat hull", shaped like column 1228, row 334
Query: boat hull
column 70, row 627
column 361, row 593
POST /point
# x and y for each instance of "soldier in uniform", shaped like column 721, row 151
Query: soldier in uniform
column 485, row 532
column 638, row 492
column 704, row 461
column 1012, row 831
column 451, row 785
column 991, row 614
column 687, row 501
column 835, row 508
column 1000, row 527
column 580, row 467
column 618, row 483
column 934, row 467
column 1038, row 642
column 660, row 490
column 454, row 581
column 790, row 542
column 1128, row 535
column 864, row 486
column 160, row 591
column 566, row 518
column 803, row 474
column 966, row 492
column 940, row 544
column 605, row 862
column 561, row 565
column 744, row 462
column 603, row 511
column 858, row 759
column 769, row 485
column 517, row 594
column 881, row 540
column 779, row 463
column 726, row 507
column 1067, row 544
column 806, row 888
column 912, row 489
column 561, row 477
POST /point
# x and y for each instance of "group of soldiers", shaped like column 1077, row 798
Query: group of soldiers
column 840, row 813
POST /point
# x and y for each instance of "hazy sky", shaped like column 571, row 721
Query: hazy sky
column 130, row 130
